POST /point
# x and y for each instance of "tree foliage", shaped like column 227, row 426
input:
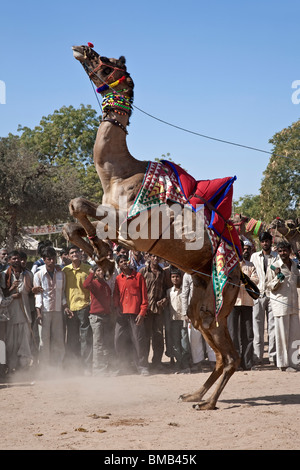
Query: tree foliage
column 248, row 205
column 32, row 191
column 67, row 137
column 280, row 188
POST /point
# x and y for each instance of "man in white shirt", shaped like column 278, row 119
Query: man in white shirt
column 240, row 322
column 50, row 303
column 178, row 324
column 262, row 306
column 284, row 300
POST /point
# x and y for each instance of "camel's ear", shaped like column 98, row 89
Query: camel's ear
column 122, row 61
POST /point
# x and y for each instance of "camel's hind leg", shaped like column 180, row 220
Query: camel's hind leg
column 217, row 336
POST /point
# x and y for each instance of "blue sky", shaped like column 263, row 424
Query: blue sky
column 220, row 68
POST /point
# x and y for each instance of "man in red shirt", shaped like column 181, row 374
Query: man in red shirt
column 100, row 320
column 131, row 302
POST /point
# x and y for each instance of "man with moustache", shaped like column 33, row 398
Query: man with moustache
column 284, row 299
column 262, row 306
column 49, row 303
column 18, row 335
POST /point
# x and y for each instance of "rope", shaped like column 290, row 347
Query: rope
column 238, row 285
column 212, row 138
column 228, row 142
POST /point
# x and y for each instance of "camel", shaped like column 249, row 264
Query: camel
column 290, row 230
column 248, row 228
column 121, row 176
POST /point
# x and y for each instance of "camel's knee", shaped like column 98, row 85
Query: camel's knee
column 66, row 232
column 207, row 319
column 71, row 230
column 232, row 362
column 75, row 206
column 80, row 206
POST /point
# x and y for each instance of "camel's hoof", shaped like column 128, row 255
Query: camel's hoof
column 186, row 397
column 205, row 405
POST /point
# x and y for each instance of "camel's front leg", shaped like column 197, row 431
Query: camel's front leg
column 98, row 232
column 227, row 362
column 74, row 233
column 82, row 209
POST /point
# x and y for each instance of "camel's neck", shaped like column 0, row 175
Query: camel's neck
column 292, row 236
column 286, row 232
column 111, row 155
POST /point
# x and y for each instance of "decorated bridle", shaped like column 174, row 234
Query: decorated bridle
column 289, row 229
column 121, row 104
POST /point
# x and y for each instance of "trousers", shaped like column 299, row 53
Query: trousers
column 79, row 336
column 130, row 341
column 262, row 309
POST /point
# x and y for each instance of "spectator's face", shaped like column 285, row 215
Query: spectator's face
column 65, row 258
column 3, row 256
column 266, row 244
column 284, row 254
column 74, row 254
column 154, row 259
column 15, row 261
column 123, row 264
column 99, row 273
column 247, row 252
column 50, row 262
column 84, row 256
column 176, row 280
column 23, row 262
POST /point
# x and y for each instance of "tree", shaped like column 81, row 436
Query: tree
column 32, row 191
column 280, row 188
column 248, row 205
column 67, row 137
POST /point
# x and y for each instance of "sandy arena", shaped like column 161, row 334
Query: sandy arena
column 257, row 410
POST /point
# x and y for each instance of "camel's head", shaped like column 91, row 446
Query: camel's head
column 277, row 223
column 239, row 222
column 239, row 219
column 104, row 72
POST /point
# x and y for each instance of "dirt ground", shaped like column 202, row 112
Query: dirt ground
column 258, row 410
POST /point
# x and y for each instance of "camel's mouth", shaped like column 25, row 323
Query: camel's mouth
column 78, row 53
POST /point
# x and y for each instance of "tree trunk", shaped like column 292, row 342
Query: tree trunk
column 12, row 232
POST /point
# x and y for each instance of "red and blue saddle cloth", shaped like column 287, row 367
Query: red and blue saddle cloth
column 165, row 181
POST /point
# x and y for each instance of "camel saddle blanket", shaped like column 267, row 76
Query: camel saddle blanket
column 165, row 181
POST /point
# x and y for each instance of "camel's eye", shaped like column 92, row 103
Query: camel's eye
column 107, row 70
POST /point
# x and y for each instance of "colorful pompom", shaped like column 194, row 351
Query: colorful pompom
column 102, row 88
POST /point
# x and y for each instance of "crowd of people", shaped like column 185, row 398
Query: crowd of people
column 63, row 313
